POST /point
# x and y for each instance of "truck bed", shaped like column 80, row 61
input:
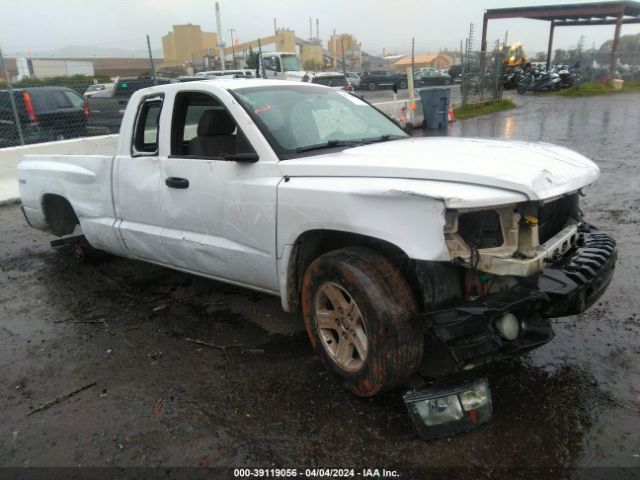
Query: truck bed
column 83, row 180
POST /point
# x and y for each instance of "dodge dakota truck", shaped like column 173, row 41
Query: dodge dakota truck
column 403, row 256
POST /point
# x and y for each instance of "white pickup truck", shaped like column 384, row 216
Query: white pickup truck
column 403, row 255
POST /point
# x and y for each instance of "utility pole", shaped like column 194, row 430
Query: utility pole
column 260, row 66
column 7, row 79
column 413, row 56
column 334, row 41
column 344, row 64
column 220, row 36
column 233, row 48
column 153, row 67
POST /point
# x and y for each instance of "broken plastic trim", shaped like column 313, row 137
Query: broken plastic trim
column 447, row 409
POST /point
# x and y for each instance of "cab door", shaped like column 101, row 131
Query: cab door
column 219, row 199
column 138, row 186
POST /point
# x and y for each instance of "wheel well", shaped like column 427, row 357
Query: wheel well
column 314, row 243
column 59, row 214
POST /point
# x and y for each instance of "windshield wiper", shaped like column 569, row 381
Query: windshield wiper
column 381, row 138
column 330, row 144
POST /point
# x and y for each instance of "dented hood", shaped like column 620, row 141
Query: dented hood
column 537, row 170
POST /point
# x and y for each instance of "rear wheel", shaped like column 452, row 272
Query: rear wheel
column 403, row 84
column 522, row 90
column 372, row 86
column 361, row 318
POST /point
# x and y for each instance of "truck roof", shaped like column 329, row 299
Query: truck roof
column 226, row 84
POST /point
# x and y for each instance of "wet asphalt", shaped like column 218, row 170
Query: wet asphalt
column 159, row 399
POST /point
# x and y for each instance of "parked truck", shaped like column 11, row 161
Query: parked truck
column 286, row 66
column 401, row 255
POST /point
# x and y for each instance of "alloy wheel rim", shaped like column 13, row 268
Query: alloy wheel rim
column 341, row 327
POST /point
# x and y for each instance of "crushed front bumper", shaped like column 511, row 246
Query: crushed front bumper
column 466, row 336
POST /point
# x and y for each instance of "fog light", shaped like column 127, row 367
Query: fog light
column 445, row 410
column 508, row 326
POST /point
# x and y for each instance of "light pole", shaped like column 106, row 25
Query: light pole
column 233, row 48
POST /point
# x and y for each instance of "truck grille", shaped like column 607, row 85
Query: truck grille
column 553, row 216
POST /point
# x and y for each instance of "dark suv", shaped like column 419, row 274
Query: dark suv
column 45, row 114
column 374, row 79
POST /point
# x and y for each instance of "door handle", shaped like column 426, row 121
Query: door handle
column 177, row 182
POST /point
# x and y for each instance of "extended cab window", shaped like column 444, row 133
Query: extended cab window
column 145, row 140
column 203, row 128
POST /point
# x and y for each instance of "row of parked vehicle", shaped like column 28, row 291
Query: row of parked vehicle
column 541, row 80
column 377, row 79
column 57, row 113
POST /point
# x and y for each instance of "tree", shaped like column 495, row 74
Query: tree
column 252, row 59
column 539, row 57
column 628, row 49
column 561, row 56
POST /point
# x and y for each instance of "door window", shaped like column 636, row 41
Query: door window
column 202, row 128
column 147, row 128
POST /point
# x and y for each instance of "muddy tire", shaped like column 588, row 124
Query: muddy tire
column 361, row 318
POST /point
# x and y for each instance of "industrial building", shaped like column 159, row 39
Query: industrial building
column 188, row 43
column 347, row 44
column 438, row 61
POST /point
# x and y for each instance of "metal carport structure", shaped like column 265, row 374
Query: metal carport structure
column 568, row 15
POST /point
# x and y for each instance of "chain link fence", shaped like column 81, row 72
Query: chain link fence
column 50, row 99
column 482, row 77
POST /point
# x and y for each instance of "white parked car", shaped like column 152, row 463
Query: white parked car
column 401, row 254
column 354, row 79
column 100, row 89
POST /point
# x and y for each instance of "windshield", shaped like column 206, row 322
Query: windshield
column 290, row 63
column 303, row 118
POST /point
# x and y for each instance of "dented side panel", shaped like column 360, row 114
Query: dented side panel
column 374, row 207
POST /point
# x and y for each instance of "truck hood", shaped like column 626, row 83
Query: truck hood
column 537, row 170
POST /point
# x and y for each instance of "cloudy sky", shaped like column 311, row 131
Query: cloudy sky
column 37, row 25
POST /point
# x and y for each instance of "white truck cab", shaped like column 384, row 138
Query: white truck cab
column 401, row 254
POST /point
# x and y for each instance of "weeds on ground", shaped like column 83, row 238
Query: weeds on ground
column 484, row 108
column 590, row 89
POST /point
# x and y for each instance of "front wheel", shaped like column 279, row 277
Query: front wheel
column 522, row 90
column 403, row 84
column 361, row 318
column 372, row 86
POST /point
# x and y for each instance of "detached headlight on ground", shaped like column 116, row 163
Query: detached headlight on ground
column 440, row 411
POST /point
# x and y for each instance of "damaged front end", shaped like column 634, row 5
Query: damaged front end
column 522, row 265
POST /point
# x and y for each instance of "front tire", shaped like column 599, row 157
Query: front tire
column 372, row 86
column 361, row 318
column 403, row 84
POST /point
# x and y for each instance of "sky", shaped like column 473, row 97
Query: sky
column 38, row 25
